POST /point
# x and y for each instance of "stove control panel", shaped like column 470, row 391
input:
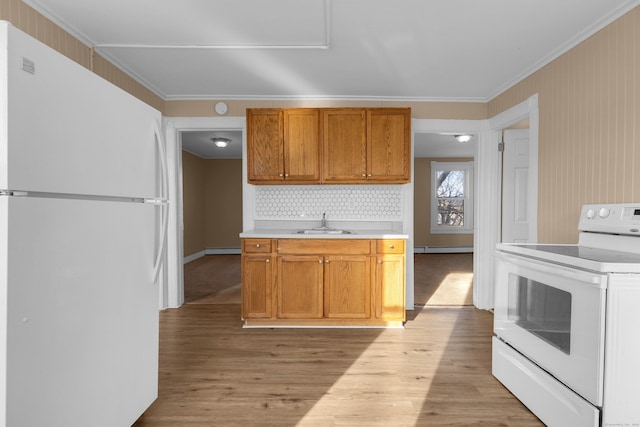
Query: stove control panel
column 611, row 219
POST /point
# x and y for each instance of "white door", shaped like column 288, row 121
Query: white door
column 516, row 209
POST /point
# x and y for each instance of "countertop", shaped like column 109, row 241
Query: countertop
column 283, row 233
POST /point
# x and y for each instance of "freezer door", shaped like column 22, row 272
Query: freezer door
column 64, row 129
column 81, row 311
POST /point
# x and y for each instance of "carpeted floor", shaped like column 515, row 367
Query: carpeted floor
column 440, row 280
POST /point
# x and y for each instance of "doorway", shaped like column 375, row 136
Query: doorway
column 443, row 257
column 212, row 213
column 212, row 192
column 173, row 295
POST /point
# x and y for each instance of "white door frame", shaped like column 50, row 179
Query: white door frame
column 489, row 195
column 173, row 295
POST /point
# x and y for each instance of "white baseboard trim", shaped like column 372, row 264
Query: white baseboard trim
column 223, row 251
column 212, row 251
column 442, row 249
column 193, row 257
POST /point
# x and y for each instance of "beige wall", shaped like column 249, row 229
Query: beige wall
column 212, row 199
column 193, row 200
column 589, row 131
column 223, row 203
column 422, row 208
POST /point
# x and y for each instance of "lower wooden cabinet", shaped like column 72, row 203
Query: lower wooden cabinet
column 323, row 281
column 347, row 287
column 257, row 274
column 257, row 278
column 389, row 287
column 390, row 280
column 299, row 287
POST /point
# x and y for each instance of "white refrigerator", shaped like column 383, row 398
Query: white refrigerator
column 82, row 226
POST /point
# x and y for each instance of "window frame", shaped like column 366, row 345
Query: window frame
column 468, row 227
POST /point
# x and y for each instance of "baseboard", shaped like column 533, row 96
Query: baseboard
column 223, row 251
column 442, row 249
column 193, row 257
column 212, row 251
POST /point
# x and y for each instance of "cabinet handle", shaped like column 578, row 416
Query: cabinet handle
column 369, row 175
column 257, row 245
column 326, row 262
column 364, row 174
column 320, row 261
column 379, row 261
column 267, row 260
column 279, row 174
column 392, row 246
column 286, row 175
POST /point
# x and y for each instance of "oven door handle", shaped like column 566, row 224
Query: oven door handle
column 597, row 280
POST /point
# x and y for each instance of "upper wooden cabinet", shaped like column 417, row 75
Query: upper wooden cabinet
column 302, row 145
column 370, row 145
column 388, row 144
column 283, row 146
column 331, row 145
column 345, row 145
column 265, row 151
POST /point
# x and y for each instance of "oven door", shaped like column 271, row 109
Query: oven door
column 554, row 316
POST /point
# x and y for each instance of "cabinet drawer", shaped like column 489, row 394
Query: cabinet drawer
column 324, row 246
column 390, row 246
column 256, row 246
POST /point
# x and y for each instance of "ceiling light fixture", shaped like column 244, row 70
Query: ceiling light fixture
column 220, row 142
column 463, row 138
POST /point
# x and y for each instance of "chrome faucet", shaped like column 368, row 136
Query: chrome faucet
column 323, row 223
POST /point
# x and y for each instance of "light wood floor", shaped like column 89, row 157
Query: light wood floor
column 434, row 372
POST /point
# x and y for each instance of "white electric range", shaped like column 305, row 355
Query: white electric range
column 567, row 321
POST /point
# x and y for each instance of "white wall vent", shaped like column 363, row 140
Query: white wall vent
column 28, row 65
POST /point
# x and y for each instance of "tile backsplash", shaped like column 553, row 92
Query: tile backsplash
column 344, row 203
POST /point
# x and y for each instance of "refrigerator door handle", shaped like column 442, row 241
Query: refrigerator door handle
column 164, row 207
column 164, row 185
column 13, row 193
column 164, row 169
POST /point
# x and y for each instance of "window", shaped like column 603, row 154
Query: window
column 451, row 197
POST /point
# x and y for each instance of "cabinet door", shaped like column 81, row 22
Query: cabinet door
column 299, row 286
column 388, row 144
column 302, row 145
column 347, row 287
column 265, row 157
column 256, row 286
column 390, row 287
column 344, row 142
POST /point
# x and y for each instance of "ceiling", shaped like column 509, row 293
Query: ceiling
column 456, row 50
column 200, row 144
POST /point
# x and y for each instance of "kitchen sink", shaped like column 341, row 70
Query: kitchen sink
column 324, row 231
